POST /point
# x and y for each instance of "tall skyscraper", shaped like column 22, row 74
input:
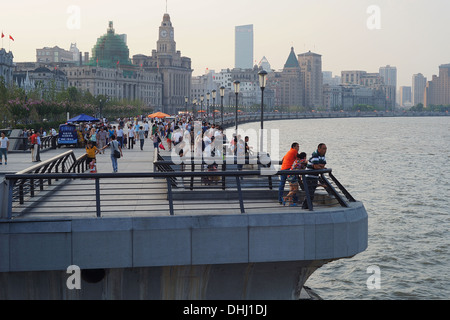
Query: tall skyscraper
column 419, row 83
column 389, row 74
column 405, row 96
column 243, row 51
column 311, row 68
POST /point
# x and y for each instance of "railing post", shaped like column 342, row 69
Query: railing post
column 192, row 177
column 224, row 168
column 97, row 197
column 241, row 200
column 10, row 197
column 169, row 195
column 307, row 195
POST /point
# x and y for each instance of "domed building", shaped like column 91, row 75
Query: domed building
column 110, row 50
column 110, row 72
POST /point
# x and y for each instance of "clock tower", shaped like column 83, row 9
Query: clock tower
column 166, row 42
column 174, row 69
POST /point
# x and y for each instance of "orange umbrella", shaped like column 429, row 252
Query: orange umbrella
column 158, row 115
column 216, row 111
column 201, row 111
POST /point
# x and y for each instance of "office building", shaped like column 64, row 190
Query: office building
column 419, row 82
column 405, row 96
column 312, row 79
column 287, row 84
column 243, row 55
column 437, row 91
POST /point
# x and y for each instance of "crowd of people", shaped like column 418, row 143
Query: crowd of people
column 183, row 137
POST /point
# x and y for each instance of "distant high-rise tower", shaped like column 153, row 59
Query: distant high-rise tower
column 419, row 82
column 437, row 91
column 311, row 68
column 243, row 54
column 389, row 74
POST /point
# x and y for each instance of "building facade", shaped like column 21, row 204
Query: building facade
column 6, row 66
column 243, row 55
column 174, row 69
column 45, row 80
column 419, row 82
column 287, row 85
column 311, row 69
column 110, row 72
column 437, row 91
column 405, row 96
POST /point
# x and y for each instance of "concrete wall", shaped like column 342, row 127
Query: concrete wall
column 169, row 249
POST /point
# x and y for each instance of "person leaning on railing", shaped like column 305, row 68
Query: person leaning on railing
column 316, row 162
column 288, row 160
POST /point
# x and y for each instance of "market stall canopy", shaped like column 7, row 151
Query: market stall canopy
column 158, row 115
column 83, row 118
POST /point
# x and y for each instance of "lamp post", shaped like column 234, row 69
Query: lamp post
column 207, row 107
column 201, row 105
column 213, row 105
column 262, row 83
column 186, row 99
column 194, row 102
column 236, row 84
column 222, row 93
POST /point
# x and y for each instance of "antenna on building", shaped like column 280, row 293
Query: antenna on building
column 166, row 6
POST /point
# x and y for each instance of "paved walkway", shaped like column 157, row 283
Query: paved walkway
column 134, row 160
column 135, row 197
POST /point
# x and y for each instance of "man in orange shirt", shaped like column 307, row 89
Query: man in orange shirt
column 288, row 160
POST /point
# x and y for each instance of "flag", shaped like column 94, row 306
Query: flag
column 3, row 35
column 11, row 38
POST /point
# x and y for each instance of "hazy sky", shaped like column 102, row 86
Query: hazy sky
column 413, row 35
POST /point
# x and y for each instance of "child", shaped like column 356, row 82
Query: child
column 299, row 164
column 93, row 166
column 91, row 151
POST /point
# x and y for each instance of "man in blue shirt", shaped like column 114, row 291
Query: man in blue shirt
column 317, row 161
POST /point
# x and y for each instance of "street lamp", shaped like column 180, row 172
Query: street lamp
column 201, row 104
column 236, row 85
column 194, row 102
column 186, row 99
column 222, row 93
column 213, row 105
column 262, row 83
column 207, row 107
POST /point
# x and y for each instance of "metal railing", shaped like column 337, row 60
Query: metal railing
column 21, row 144
column 39, row 176
column 98, row 194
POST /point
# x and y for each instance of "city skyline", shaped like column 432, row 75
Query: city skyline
column 350, row 35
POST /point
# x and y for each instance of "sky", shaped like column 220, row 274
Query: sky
column 412, row 35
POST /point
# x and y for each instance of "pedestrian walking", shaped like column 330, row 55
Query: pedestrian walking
column 116, row 152
column 141, row 135
column 4, row 146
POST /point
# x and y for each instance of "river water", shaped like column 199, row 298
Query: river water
column 399, row 168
